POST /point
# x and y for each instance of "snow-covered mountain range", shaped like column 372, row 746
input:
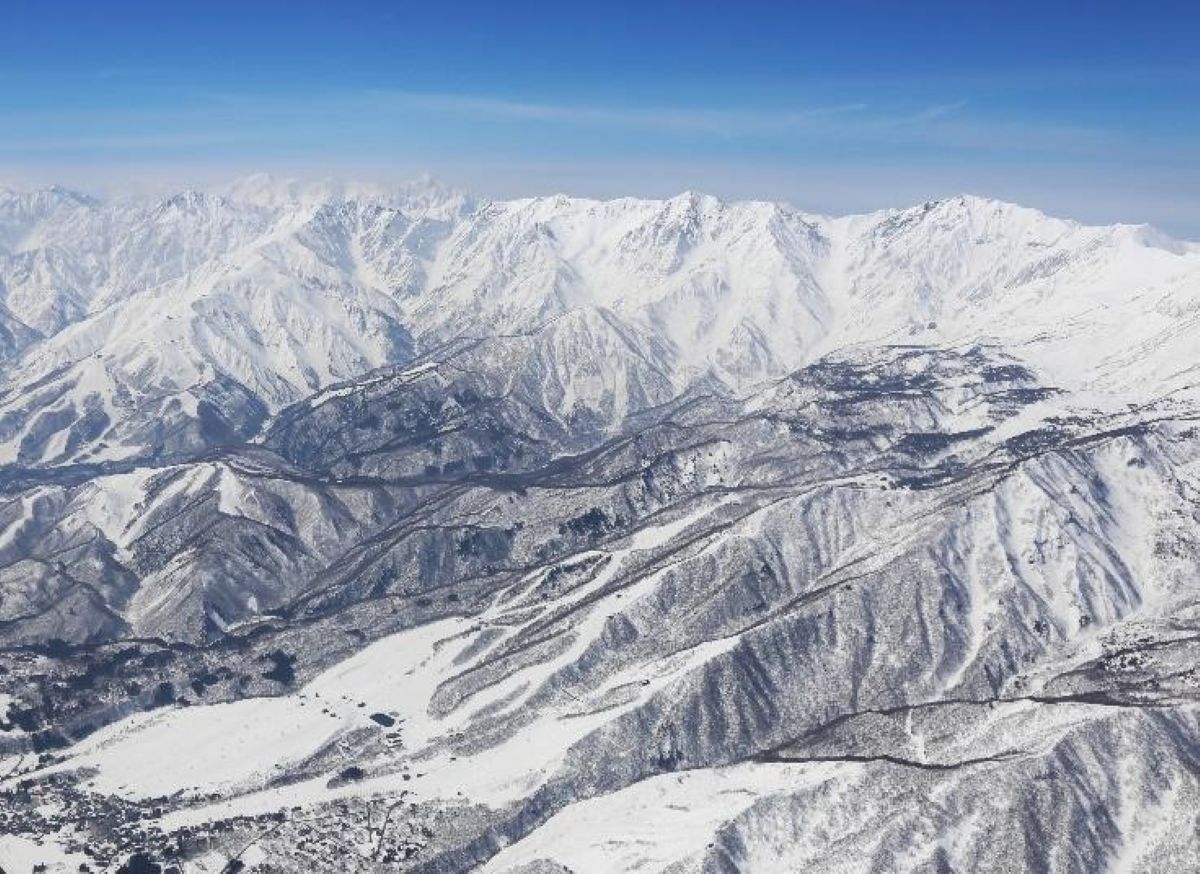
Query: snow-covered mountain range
column 348, row 528
column 133, row 327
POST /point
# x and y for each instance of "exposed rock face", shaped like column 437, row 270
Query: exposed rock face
column 359, row 533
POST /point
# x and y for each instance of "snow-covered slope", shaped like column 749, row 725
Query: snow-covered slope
column 280, row 289
column 346, row 528
column 1112, row 310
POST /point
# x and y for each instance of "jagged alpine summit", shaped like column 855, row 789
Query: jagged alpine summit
column 349, row 529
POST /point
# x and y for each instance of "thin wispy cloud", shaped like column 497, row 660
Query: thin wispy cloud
column 945, row 123
column 226, row 119
column 716, row 120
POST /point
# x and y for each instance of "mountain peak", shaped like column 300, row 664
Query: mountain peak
column 48, row 197
column 277, row 192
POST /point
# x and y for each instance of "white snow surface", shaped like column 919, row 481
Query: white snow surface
column 236, row 748
column 290, row 292
column 20, row 854
column 286, row 288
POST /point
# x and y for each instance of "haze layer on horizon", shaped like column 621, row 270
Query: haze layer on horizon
column 1084, row 110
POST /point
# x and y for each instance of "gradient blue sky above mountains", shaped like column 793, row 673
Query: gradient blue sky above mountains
column 1085, row 109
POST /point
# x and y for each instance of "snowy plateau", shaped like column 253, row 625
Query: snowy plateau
column 348, row 528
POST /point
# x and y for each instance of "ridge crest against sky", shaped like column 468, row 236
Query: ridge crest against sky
column 1087, row 110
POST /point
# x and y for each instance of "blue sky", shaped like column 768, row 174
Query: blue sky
column 1085, row 109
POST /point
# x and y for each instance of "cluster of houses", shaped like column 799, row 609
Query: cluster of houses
column 350, row 834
